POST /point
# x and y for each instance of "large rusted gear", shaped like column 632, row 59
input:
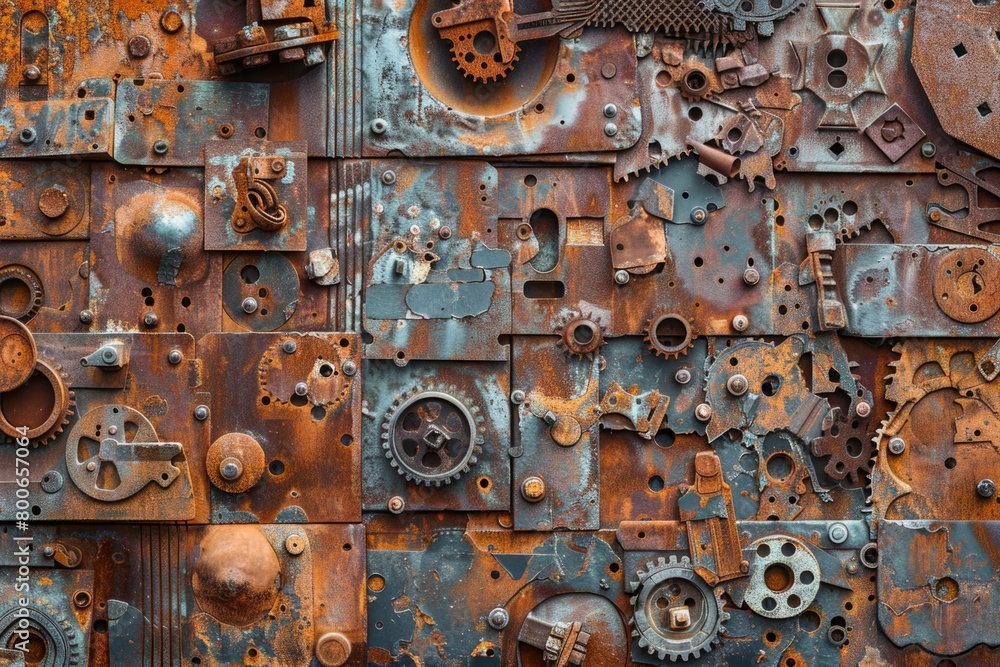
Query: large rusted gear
column 663, row 341
column 433, row 436
column 581, row 335
column 669, row 587
column 43, row 403
column 476, row 55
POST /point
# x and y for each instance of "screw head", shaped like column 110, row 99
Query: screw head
column 737, row 385
column 517, row 396
column 349, row 367
column 49, row 552
column 610, row 110
column 396, row 505
column 289, row 346
column 863, row 408
column 301, row 389
column 897, row 445
column 175, row 357
column 389, row 177
column 622, row 277
column 249, row 305
column 837, row 533
column 139, row 46
column 498, row 618
column 703, row 412
column 533, row 489
column 86, row 316
column 611, row 129
column 852, row 567
column 150, row 320
column 294, row 544
column 201, row 413
column 230, row 468
column 91, row 466
column 986, row 488
column 751, row 276
column 741, row 323
column 928, row 150
column 32, row 73
column 445, row 232
column 699, row 215
column 161, row 146
column 683, row 376
column 379, row 126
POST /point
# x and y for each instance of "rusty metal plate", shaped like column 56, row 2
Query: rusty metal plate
column 499, row 333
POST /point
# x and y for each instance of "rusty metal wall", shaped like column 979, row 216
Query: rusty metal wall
column 499, row 333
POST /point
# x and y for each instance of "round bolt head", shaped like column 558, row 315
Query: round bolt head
column 737, row 385
column 289, row 347
column 91, row 466
column 249, row 305
column 112, row 430
column 741, row 323
column 698, row 214
column 379, row 126
column 139, row 46
column 277, row 165
column 609, row 70
column 150, row 320
column 622, row 277
column 396, row 505
column 498, row 618
column 389, row 177
column 171, row 20
column 610, row 110
column 611, row 129
column 517, row 397
column 863, row 408
column 751, row 276
column 533, row 489
column 852, row 567
column 683, row 376
column 934, row 215
column 27, row 135
column 86, row 316
column 49, row 551
column 201, row 413
column 703, row 412
column 53, row 202
column 837, row 533
column 986, row 488
column 161, row 146
column 230, row 468
column 350, row 368
column 301, row 389
column 32, row 73
column 294, row 544
column 928, row 150
column 175, row 357
column 897, row 445
column 333, row 649
column 445, row 232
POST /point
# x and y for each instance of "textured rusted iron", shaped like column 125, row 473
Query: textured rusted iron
column 493, row 333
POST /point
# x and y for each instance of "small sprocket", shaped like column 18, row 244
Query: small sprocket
column 476, row 51
column 43, row 404
column 581, row 335
column 669, row 336
column 677, row 613
column 433, row 436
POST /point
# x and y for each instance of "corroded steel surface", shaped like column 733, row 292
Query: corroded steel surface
column 496, row 333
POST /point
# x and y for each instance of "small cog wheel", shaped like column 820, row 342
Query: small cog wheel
column 669, row 336
column 581, row 336
column 314, row 363
column 23, row 292
column 476, row 51
column 849, row 444
column 52, row 641
column 677, row 614
column 43, row 403
column 433, row 436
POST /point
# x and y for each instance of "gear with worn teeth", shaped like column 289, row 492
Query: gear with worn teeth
column 63, row 644
column 656, row 340
column 843, row 437
column 581, row 335
column 316, row 362
column 433, row 436
column 480, row 66
column 24, row 310
column 677, row 614
column 48, row 375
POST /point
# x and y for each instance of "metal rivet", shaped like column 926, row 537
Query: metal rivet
column 622, row 277
column 150, row 320
column 301, row 389
column 112, row 430
column 91, row 466
column 738, row 385
column 610, row 110
column 289, row 346
column 703, row 412
column 611, row 129
column 837, row 533
column 201, row 413
column 86, row 316
column 609, row 70
column 32, row 73
column 498, row 618
column 48, row 552
column 683, row 376
column 396, row 505
column 389, row 177
column 294, row 544
column 53, row 202
column 175, row 357
column 160, row 147
column 27, row 135
column 897, row 445
column 379, row 126
column 928, row 150
column 986, row 488
column 751, row 276
column 349, row 367
column 249, row 305
column 741, row 323
column 699, row 215
column 517, row 396
column 533, row 489
column 863, row 409
column 139, row 46
column 230, row 468
column 445, row 232
column 171, row 20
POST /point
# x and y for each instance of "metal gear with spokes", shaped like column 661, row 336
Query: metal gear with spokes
column 433, row 437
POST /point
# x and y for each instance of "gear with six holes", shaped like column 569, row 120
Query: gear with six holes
column 433, row 436
column 677, row 614
column 476, row 52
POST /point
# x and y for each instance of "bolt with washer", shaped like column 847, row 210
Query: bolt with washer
column 897, row 445
column 703, row 412
column 533, row 489
column 230, row 468
column 249, row 305
column 396, row 505
column 683, row 376
column 986, row 488
column 498, row 618
column 289, row 346
column 741, row 323
column 751, row 276
column 837, row 533
column 738, row 384
column 622, row 277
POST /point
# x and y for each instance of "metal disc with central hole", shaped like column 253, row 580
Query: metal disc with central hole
column 784, row 577
column 17, row 353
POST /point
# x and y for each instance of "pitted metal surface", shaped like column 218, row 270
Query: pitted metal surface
column 499, row 333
